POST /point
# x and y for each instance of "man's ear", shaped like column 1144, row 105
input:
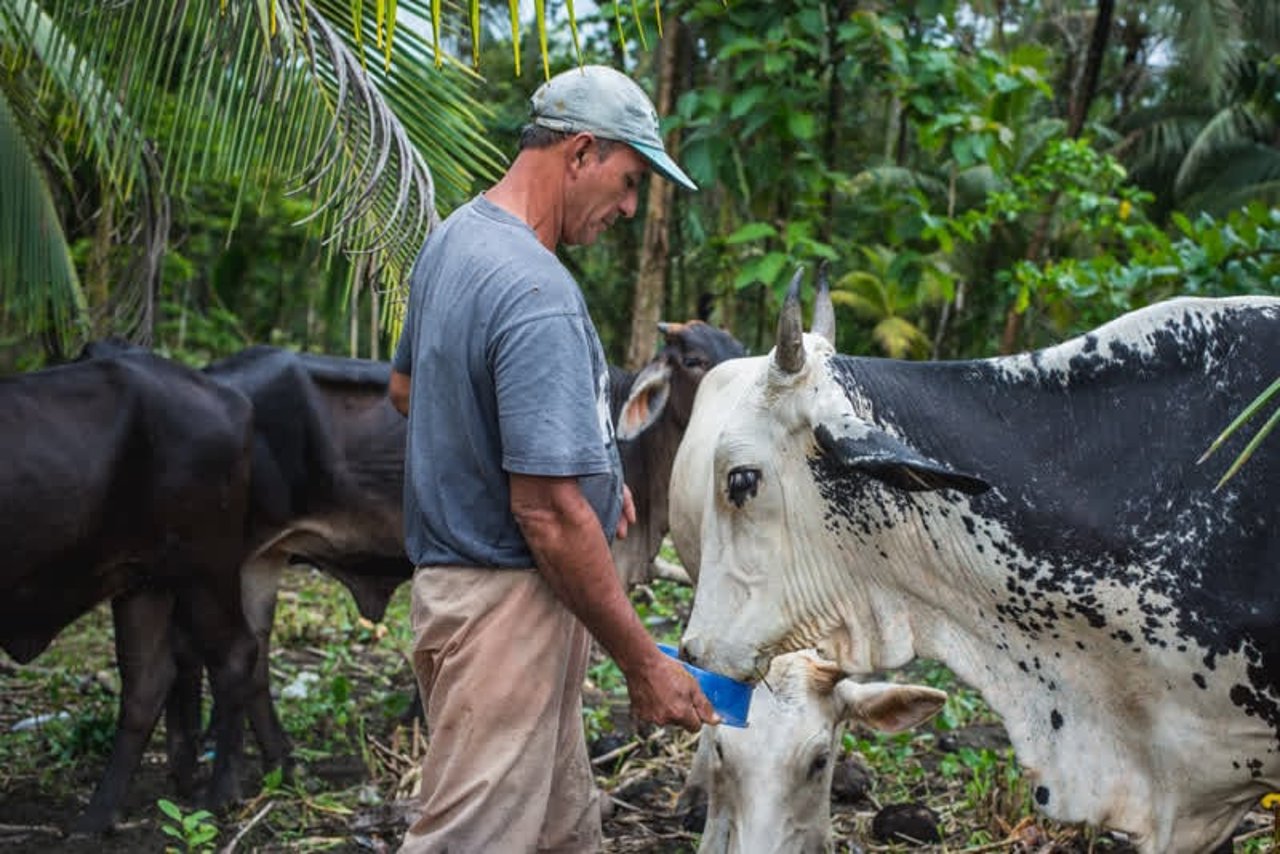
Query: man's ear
column 579, row 145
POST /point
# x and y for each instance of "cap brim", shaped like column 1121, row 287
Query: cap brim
column 663, row 164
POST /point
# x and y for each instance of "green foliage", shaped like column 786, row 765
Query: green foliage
column 87, row 734
column 895, row 759
column 1236, row 255
column 194, row 830
column 663, row 607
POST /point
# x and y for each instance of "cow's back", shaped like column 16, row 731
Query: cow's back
column 328, row 467
column 114, row 464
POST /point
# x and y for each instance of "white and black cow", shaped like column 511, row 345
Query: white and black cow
column 768, row 786
column 127, row 477
column 1038, row 523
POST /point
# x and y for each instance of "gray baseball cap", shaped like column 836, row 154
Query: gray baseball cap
column 600, row 100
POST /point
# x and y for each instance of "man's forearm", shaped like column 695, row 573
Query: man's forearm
column 574, row 558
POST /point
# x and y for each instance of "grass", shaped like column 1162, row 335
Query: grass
column 343, row 685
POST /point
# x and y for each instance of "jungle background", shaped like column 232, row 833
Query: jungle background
column 981, row 177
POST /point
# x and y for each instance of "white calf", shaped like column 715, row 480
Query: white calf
column 768, row 786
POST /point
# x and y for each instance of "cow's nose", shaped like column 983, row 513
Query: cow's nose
column 691, row 650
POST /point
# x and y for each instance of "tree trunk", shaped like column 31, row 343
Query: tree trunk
column 1092, row 68
column 651, row 280
column 1080, row 101
column 835, row 97
column 98, row 270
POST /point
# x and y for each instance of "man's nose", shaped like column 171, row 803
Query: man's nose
column 629, row 203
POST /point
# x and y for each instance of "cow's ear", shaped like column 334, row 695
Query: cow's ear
column 646, row 401
column 879, row 455
column 885, row 706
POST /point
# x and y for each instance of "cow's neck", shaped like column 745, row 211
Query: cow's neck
column 1102, row 728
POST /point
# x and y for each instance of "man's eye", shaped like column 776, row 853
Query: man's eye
column 743, row 483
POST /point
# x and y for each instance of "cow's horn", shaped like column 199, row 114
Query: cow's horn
column 824, row 313
column 789, row 352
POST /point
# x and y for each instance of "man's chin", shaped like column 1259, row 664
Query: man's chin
column 582, row 239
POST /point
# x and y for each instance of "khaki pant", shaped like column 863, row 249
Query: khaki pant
column 500, row 663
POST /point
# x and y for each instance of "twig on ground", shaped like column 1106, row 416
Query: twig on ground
column 615, row 753
column 261, row 814
column 627, row 806
column 11, row 829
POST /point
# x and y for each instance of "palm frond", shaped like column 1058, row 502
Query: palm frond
column 97, row 126
column 298, row 92
column 1211, row 32
column 37, row 277
column 864, row 293
column 1231, row 128
column 899, row 338
column 1220, row 199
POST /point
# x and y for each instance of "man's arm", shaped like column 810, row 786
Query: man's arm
column 571, row 552
column 398, row 391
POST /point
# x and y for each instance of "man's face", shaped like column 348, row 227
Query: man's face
column 601, row 190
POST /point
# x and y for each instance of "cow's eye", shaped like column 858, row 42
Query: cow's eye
column 743, row 483
column 818, row 765
column 694, row 362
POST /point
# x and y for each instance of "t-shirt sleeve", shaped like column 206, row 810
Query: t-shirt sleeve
column 402, row 361
column 549, row 408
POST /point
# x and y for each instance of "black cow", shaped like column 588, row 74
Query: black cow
column 127, row 477
column 327, row 491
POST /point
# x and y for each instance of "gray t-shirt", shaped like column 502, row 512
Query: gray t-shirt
column 508, row 375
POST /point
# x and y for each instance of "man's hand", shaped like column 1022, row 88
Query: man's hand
column 628, row 517
column 662, row 692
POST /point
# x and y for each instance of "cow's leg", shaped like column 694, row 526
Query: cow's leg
column 259, row 584
column 182, row 712
column 227, row 648
column 145, row 660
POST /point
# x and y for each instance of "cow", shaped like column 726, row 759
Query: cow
column 1039, row 524
column 650, row 411
column 127, row 477
column 768, row 786
column 326, row 491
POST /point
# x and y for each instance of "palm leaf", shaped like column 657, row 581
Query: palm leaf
column 287, row 91
column 899, row 338
column 1248, row 413
column 1237, row 175
column 96, row 126
column 1236, row 124
column 1210, row 33
column 37, row 277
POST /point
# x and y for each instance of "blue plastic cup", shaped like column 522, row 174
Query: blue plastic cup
column 730, row 698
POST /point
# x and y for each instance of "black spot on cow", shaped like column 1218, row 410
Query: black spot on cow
column 1055, row 719
column 1042, row 796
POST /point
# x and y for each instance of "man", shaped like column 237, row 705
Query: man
column 513, row 485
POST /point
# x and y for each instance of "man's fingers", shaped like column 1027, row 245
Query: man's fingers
column 706, row 712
